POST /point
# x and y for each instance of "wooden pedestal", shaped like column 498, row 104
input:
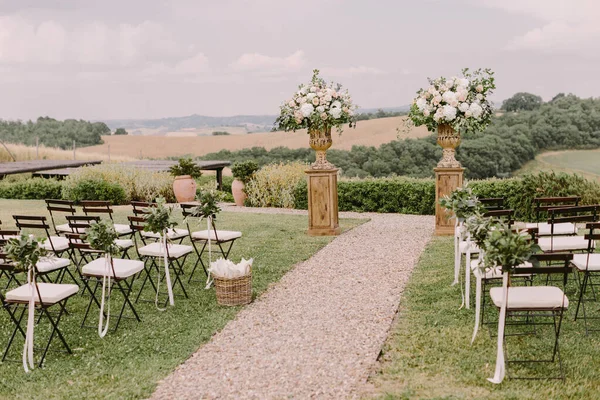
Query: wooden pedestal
column 322, row 203
column 446, row 181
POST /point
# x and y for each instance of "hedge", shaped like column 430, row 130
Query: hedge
column 417, row 196
column 31, row 189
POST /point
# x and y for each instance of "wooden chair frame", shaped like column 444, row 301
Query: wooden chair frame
column 59, row 206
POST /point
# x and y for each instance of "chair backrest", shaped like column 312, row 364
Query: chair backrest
column 5, row 262
column 592, row 235
column 553, row 263
column 79, row 223
column 572, row 214
column 492, row 203
column 55, row 206
column 96, row 207
column 506, row 216
column 32, row 222
column 139, row 207
column 5, row 234
column 77, row 241
column 543, row 204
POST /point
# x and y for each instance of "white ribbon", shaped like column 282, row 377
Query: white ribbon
column 105, row 277
column 478, row 274
column 467, row 295
column 163, row 241
column 500, row 367
column 28, row 347
column 457, row 229
column 209, row 281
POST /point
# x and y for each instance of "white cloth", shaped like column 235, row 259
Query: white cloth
column 123, row 268
column 583, row 262
column 157, row 250
column 223, row 236
column 51, row 292
column 563, row 243
column 545, row 229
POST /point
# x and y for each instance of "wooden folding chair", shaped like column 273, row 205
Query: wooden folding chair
column 492, row 203
column 532, row 306
column 60, row 207
column 152, row 254
column 556, row 242
column 542, row 205
column 80, row 223
column 99, row 208
column 140, row 209
column 222, row 239
column 588, row 264
column 7, row 267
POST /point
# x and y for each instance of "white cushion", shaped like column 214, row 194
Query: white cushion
column 123, row 268
column 60, row 243
column 124, row 243
column 64, row 228
column 494, row 273
column 223, row 236
column 171, row 234
column 122, row 229
column 545, row 229
column 564, row 243
column 462, row 246
column 47, row 264
column 51, row 292
column 531, row 297
column 582, row 262
column 156, row 250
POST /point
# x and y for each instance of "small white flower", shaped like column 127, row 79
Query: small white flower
column 320, row 109
column 316, row 101
column 310, row 96
column 426, row 112
column 336, row 104
column 479, row 96
column 313, row 89
column 464, row 82
column 463, row 107
column 479, row 88
column 476, row 110
column 449, row 112
column 421, row 103
column 327, row 98
column 335, row 112
column 307, row 109
column 323, row 116
column 449, row 96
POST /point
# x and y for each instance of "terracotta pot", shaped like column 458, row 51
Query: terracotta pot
column 320, row 141
column 237, row 189
column 184, row 187
column 449, row 139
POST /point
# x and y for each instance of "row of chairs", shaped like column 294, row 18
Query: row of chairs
column 68, row 247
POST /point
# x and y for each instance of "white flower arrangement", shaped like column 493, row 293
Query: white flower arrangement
column 317, row 105
column 459, row 102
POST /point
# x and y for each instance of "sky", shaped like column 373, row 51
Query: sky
column 115, row 59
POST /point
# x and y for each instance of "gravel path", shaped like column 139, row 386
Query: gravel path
column 318, row 332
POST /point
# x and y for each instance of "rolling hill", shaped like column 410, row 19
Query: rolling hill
column 583, row 162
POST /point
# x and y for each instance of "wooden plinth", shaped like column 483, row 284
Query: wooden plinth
column 322, row 203
column 446, row 181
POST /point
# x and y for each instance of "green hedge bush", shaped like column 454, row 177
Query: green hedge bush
column 31, row 189
column 417, row 196
column 95, row 190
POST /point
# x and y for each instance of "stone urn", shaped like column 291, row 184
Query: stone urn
column 237, row 189
column 320, row 141
column 184, row 188
column 449, row 139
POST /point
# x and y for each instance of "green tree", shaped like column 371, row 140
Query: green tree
column 522, row 101
column 121, row 131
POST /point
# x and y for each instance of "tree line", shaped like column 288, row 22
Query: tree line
column 513, row 138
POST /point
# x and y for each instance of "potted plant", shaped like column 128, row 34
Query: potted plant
column 451, row 105
column 242, row 172
column 317, row 107
column 186, row 171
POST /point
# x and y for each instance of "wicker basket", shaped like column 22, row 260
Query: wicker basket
column 234, row 291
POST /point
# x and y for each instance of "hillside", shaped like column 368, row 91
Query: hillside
column 583, row 162
column 371, row 133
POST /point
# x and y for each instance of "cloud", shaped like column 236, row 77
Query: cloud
column 564, row 25
column 255, row 62
column 350, row 71
column 190, row 66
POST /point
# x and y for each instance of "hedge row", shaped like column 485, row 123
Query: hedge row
column 417, row 196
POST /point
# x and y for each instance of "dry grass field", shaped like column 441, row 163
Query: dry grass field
column 25, row 153
column 582, row 162
column 369, row 133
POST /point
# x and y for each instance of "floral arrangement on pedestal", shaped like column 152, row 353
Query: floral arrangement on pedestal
column 452, row 105
column 317, row 107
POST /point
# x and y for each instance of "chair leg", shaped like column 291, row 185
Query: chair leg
column 17, row 323
column 55, row 330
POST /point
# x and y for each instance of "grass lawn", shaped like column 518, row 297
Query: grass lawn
column 428, row 354
column 128, row 363
column 583, row 162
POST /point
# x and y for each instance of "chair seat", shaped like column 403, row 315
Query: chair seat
column 563, row 243
column 545, row 229
column 471, row 246
column 59, row 243
column 124, row 243
column 223, row 236
column 590, row 262
column 48, row 264
column 171, row 234
column 51, row 292
column 531, row 298
column 156, row 250
column 122, row 229
column 64, row 228
column 123, row 268
column 495, row 273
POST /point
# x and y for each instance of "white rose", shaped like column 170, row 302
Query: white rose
column 303, row 90
column 462, row 95
column 463, row 107
column 449, row 112
column 327, row 98
column 464, row 82
column 421, row 103
column 323, row 116
column 320, row 93
column 335, row 112
column 479, row 96
column 449, row 96
column 292, row 103
column 336, row 104
column 307, row 109
column 476, row 110
column 426, row 112
column 320, row 109
column 316, row 101
column 436, row 100
column 310, row 96
column 313, row 89
column 479, row 88
column 454, row 103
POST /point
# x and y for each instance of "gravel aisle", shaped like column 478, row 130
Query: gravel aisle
column 318, row 332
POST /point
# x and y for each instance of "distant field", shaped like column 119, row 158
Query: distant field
column 369, row 133
column 583, row 162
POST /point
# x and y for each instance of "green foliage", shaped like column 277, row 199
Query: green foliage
column 121, row 131
column 244, row 170
column 379, row 114
column 25, row 251
column 522, row 101
column 462, row 202
column 221, row 133
column 208, row 206
column 479, row 227
column 101, row 235
column 31, row 189
column 95, row 190
column 158, row 218
column 53, row 133
column 508, row 249
column 186, row 166
column 275, row 185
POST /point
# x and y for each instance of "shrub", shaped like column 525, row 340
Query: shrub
column 244, row 170
column 275, row 185
column 31, row 189
column 138, row 184
column 186, row 166
column 96, row 190
column 221, row 133
column 206, row 179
